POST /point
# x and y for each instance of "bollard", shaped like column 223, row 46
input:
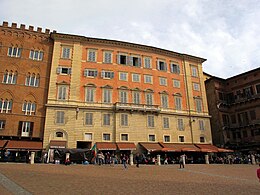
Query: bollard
column 131, row 159
column 207, row 159
column 253, row 159
column 32, row 158
column 158, row 159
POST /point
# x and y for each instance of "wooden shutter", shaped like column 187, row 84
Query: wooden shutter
column 95, row 73
column 58, row 70
column 69, row 70
column 86, row 72
column 112, row 75
column 19, row 133
column 129, row 60
column 139, row 62
column 31, row 129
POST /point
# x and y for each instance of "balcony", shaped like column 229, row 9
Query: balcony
column 137, row 107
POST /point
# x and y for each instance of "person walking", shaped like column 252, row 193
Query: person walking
column 182, row 161
column 124, row 160
column 137, row 159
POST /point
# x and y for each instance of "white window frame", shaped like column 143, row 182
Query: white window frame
column 107, row 74
column 151, row 138
column 14, row 52
column 26, row 128
column 63, row 70
column 180, row 137
column 196, row 86
column 149, row 98
column 175, row 68
column 92, row 55
column 36, row 55
column 164, row 100
column 204, row 139
column 107, row 57
column 135, row 61
column 136, row 97
column 107, row 95
column 148, row 79
column 194, row 71
column 90, row 73
column 123, row 76
column 2, row 124
column 32, row 80
column 201, row 125
column 6, row 105
column 123, row 95
column 124, row 137
column 176, row 83
column 178, row 102
column 90, row 94
column 147, row 62
column 88, row 136
column 136, row 77
column 164, row 138
column 10, row 77
column 106, row 136
column 29, row 108
column 198, row 104
column 62, row 92
column 66, row 52
column 120, row 60
column 161, row 65
column 163, row 81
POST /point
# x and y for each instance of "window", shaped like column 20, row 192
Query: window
column 66, row 52
column 123, row 76
column 60, row 117
column 149, row 98
column 181, row 138
column 198, row 103
column 106, row 119
column 151, row 138
column 10, row 77
column 202, row 139
column 14, row 52
column 106, row 137
column 135, row 61
column 90, row 73
column 233, row 119
column 89, row 119
column 161, row 65
column 166, row 138
column 252, row 114
column 29, row 108
column 124, row 137
column 62, row 92
column 32, row 80
column 196, row 86
column 2, row 124
column 147, row 62
column 63, row 70
column 166, row 124
column 6, row 105
column 135, row 77
column 164, row 100
column 150, row 121
column 88, row 136
column 107, row 57
column 148, row 79
column 201, row 125
column 175, row 68
column 26, row 128
column 194, row 71
column 107, row 74
column 123, row 96
column 124, row 120
column 176, row 83
column 163, row 81
column 90, row 94
column 257, row 88
column 59, row 134
column 92, row 55
column 36, row 55
column 136, row 97
column 107, row 96
column 178, row 103
column 122, row 59
column 180, row 125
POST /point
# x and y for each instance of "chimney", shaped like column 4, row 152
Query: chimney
column 22, row 26
column 39, row 29
column 5, row 24
column 30, row 28
column 14, row 25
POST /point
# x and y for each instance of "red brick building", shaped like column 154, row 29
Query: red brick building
column 25, row 60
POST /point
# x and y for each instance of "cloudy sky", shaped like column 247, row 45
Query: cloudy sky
column 225, row 32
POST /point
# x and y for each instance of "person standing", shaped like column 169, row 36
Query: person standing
column 124, row 160
column 137, row 159
column 258, row 173
column 182, row 161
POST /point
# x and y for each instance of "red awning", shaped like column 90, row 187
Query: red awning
column 126, row 146
column 151, row 146
column 106, row 146
column 2, row 143
column 225, row 150
column 58, row 144
column 170, row 147
column 24, row 145
column 207, row 148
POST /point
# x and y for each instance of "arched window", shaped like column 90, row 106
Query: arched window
column 5, row 105
column 10, row 77
column 32, row 79
column 59, row 134
column 29, row 108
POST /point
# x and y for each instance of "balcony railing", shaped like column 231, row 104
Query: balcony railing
column 137, row 107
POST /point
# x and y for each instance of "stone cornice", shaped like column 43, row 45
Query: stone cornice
column 127, row 45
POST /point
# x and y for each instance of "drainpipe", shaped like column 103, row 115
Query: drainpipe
column 188, row 101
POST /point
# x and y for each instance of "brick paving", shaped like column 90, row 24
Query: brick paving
column 148, row 179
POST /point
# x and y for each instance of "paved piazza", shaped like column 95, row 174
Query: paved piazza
column 148, row 179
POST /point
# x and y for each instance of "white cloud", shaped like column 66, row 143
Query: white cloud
column 226, row 33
